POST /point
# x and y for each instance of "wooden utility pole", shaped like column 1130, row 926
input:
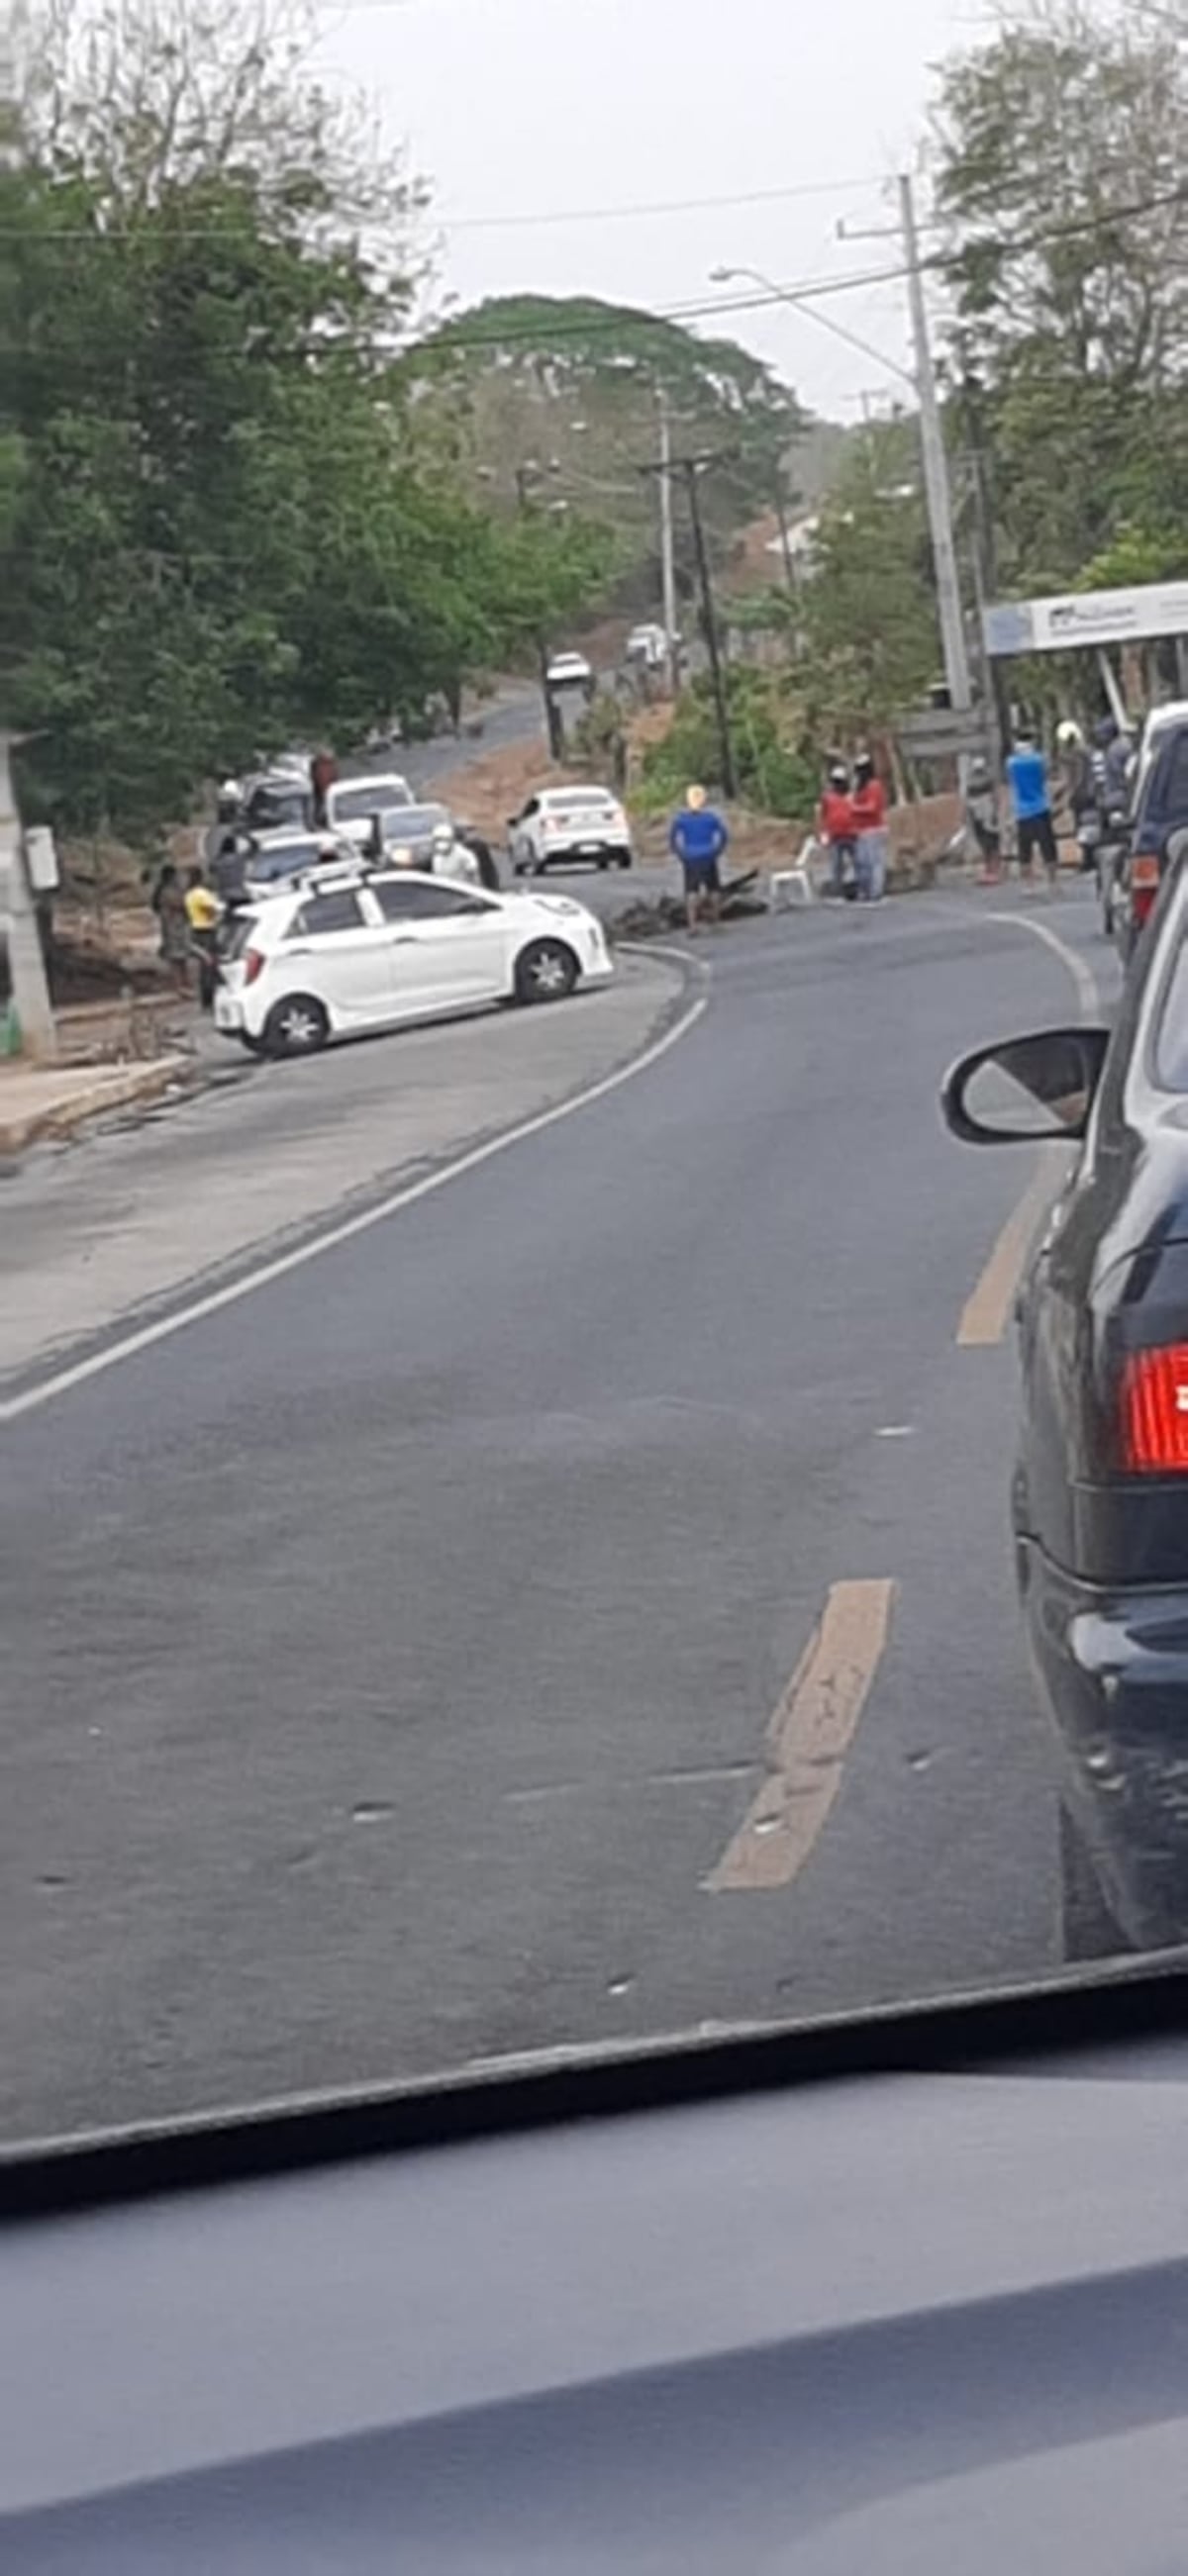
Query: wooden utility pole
column 524, row 479
column 690, row 468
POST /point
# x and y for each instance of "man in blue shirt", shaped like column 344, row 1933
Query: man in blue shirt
column 1031, row 804
column 698, row 838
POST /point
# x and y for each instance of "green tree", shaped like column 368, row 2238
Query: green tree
column 572, row 383
column 224, row 524
column 1061, row 153
column 864, row 630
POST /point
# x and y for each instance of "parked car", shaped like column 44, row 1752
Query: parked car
column 352, row 802
column 1100, row 1494
column 277, row 801
column 249, row 862
column 647, row 647
column 569, row 671
column 349, row 949
column 569, row 826
column 1158, row 810
column 402, row 835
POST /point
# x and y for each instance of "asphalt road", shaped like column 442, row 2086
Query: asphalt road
column 390, row 1657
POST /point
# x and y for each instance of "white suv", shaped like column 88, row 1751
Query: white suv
column 347, row 950
column 569, row 826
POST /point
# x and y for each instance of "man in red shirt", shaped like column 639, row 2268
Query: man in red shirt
column 835, row 822
column 868, row 804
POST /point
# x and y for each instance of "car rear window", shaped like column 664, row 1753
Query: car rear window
column 337, row 909
column 239, row 933
column 266, row 865
column 1170, row 1054
column 354, row 804
column 584, row 800
column 1171, row 779
column 412, row 822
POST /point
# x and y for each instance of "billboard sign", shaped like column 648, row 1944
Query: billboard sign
column 1077, row 618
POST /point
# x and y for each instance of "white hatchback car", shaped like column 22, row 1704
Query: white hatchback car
column 346, row 951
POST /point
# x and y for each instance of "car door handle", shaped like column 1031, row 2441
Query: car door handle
column 299, row 952
column 403, row 939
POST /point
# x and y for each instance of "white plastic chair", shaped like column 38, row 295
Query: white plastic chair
column 791, row 888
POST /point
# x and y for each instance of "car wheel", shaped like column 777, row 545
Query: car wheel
column 296, row 1026
column 1088, row 1929
column 603, row 865
column 539, row 866
column 624, row 858
column 546, row 972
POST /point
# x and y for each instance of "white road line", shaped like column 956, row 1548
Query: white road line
column 1082, row 974
column 808, row 1736
column 990, row 1304
column 280, row 1267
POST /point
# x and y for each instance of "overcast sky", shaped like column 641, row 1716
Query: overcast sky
column 539, row 108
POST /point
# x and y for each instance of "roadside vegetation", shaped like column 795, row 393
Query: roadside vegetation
column 224, row 524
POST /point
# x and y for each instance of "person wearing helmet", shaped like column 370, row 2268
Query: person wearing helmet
column 1081, row 786
column 698, row 838
column 449, row 857
column 868, row 805
column 838, row 830
column 1118, row 763
column 981, row 814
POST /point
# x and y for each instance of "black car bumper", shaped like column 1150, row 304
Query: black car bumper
column 1113, row 1670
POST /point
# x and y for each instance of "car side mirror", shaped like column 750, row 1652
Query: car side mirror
column 1025, row 1090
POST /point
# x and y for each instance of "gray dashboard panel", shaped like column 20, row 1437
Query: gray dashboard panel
column 709, row 2338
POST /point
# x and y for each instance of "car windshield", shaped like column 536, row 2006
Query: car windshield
column 594, row 1403
column 371, row 796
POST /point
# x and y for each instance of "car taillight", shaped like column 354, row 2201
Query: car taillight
column 1155, row 1412
column 1144, row 871
column 253, row 964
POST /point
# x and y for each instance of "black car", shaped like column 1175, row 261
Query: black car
column 1158, row 811
column 1100, row 1496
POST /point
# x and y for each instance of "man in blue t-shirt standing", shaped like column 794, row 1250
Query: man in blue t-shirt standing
column 698, row 838
column 1031, row 804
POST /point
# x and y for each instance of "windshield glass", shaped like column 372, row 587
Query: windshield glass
column 594, row 1406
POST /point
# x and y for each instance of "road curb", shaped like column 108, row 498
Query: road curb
column 113, row 1087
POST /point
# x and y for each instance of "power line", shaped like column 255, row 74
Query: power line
column 651, row 206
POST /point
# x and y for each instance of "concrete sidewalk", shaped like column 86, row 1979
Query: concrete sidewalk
column 37, row 1101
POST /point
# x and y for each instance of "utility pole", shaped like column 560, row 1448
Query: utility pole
column 26, row 965
column 985, row 556
column 667, row 551
column 936, row 471
column 781, row 511
column 524, row 476
column 689, row 467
